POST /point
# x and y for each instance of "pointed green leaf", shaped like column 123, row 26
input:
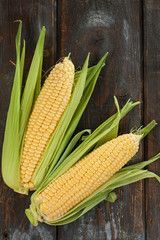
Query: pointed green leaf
column 71, row 145
column 10, row 152
column 141, row 164
column 38, row 83
column 147, row 129
column 22, row 63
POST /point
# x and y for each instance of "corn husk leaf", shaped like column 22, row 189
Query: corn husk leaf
column 10, row 152
column 144, row 131
column 141, row 164
column 114, row 132
column 38, row 83
column 22, row 64
column 72, row 144
column 19, row 111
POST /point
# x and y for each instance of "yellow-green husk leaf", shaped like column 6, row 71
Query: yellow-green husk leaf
column 19, row 112
column 10, row 152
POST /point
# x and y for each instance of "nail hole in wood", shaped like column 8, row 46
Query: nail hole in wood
column 5, row 235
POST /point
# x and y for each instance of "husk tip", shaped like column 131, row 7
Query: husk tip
column 18, row 20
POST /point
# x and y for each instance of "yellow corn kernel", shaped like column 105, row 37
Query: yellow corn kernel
column 46, row 114
column 65, row 197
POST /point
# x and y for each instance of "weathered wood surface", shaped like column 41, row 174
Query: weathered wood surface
column 151, row 111
column 129, row 30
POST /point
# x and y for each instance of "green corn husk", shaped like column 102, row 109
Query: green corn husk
column 127, row 175
column 20, row 109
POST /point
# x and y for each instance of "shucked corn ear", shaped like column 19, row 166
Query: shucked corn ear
column 48, row 109
column 86, row 176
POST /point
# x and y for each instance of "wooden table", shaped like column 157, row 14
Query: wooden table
column 130, row 31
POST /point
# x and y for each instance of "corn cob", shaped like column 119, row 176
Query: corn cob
column 86, row 176
column 46, row 114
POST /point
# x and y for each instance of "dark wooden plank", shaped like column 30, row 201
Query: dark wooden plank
column 34, row 14
column 152, row 111
column 97, row 27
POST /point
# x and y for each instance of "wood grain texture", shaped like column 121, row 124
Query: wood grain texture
column 84, row 26
column 14, row 225
column 152, row 111
column 98, row 27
